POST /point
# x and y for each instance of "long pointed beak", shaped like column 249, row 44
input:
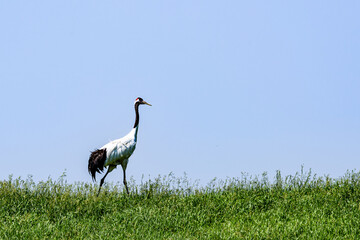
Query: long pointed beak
column 147, row 103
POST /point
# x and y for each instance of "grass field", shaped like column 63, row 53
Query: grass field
column 302, row 206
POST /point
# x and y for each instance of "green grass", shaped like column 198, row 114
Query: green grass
column 302, row 206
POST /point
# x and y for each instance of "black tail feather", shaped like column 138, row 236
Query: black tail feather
column 96, row 162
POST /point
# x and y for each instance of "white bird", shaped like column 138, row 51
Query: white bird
column 116, row 152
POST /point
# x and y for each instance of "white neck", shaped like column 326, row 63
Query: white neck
column 135, row 129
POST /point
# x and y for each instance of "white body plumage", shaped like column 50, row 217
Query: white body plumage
column 118, row 151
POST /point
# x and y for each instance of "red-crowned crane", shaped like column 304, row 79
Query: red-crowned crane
column 116, row 152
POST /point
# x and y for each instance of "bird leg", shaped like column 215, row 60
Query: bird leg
column 102, row 180
column 124, row 169
column 125, row 183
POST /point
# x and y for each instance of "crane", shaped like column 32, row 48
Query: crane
column 116, row 152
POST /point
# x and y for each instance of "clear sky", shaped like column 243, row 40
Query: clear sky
column 236, row 86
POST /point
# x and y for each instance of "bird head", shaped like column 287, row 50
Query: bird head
column 139, row 100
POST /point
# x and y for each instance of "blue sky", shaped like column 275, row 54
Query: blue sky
column 236, row 86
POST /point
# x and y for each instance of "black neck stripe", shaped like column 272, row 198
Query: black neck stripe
column 137, row 114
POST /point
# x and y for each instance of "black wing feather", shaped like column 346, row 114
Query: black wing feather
column 96, row 162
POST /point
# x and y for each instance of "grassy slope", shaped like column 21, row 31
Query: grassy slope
column 302, row 206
